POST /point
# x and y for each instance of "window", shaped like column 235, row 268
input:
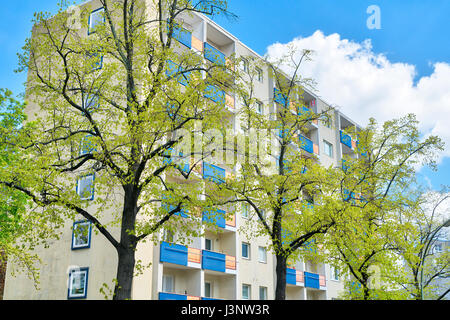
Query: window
column 95, row 60
column 245, row 250
column 245, row 210
column 328, row 148
column 78, row 280
column 208, row 244
column 244, row 65
column 81, row 235
column 208, row 290
column 259, row 74
column 328, row 121
column 262, row 293
column 438, row 248
column 91, row 101
column 86, row 145
column 334, row 273
column 168, row 283
column 85, row 187
column 96, row 18
column 168, row 235
column 262, row 254
column 246, row 291
column 259, row 107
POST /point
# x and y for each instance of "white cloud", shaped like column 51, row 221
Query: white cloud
column 366, row 84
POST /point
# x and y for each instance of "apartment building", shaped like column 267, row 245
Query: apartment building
column 219, row 265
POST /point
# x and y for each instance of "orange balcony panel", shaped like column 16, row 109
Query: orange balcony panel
column 353, row 144
column 231, row 221
column 229, row 64
column 197, row 44
column 316, row 148
column 193, row 298
column 316, row 122
column 322, row 280
column 230, row 262
column 299, row 276
column 194, row 255
column 229, row 101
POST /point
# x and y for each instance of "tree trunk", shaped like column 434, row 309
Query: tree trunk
column 127, row 247
column 280, row 290
column 125, row 270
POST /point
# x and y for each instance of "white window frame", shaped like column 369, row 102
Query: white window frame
column 211, row 243
column 245, row 212
column 165, row 283
column 245, row 66
column 264, row 290
column 73, row 274
column 262, row 254
column 249, row 291
column 210, row 289
column 333, row 273
column 259, row 107
column 79, row 180
column 260, row 75
column 248, row 250
column 328, row 148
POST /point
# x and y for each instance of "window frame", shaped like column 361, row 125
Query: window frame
column 72, row 272
column 164, row 283
column 211, row 244
column 328, row 145
column 259, row 254
column 91, row 29
column 209, row 283
column 249, row 291
column 248, row 257
column 259, row 74
column 265, row 293
column 92, row 196
column 88, row 244
column 247, row 210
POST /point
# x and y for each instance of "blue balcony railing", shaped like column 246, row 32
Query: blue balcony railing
column 182, row 35
column 174, row 69
column 169, row 159
column 306, row 144
column 173, row 253
column 213, row 173
column 171, row 296
column 280, row 98
column 214, row 55
column 215, row 216
column 213, row 261
column 291, row 276
column 312, row 280
column 346, row 139
column 215, row 94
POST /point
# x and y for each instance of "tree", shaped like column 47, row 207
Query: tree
column 423, row 265
column 18, row 232
column 376, row 183
column 277, row 174
column 108, row 107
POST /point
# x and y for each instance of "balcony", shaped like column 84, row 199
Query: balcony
column 219, row 262
column 294, row 277
column 312, row 280
column 174, row 69
column 308, row 145
column 180, row 255
column 213, row 173
column 176, row 296
column 171, row 159
column 347, row 140
column 218, row 217
column 182, row 35
column 303, row 110
column 215, row 94
column 214, row 55
column 280, row 98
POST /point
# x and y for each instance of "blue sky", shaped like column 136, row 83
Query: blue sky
column 413, row 32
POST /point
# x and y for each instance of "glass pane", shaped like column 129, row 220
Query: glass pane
column 96, row 19
column 245, row 250
column 207, row 290
column 85, row 187
column 78, row 283
column 81, row 234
